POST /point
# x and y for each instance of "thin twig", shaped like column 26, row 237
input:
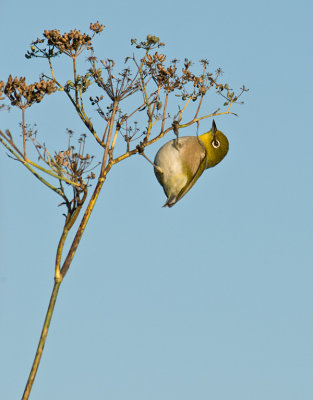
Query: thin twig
column 163, row 133
column 24, row 133
column 199, row 106
column 75, row 80
column 164, row 111
column 58, row 191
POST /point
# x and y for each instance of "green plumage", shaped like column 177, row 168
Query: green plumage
column 180, row 162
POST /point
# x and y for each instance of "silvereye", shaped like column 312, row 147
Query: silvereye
column 180, row 162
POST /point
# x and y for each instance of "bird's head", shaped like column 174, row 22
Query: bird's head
column 216, row 145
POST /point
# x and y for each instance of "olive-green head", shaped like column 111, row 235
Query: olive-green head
column 216, row 145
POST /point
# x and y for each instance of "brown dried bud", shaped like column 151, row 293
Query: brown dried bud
column 22, row 95
column 71, row 43
column 2, row 84
column 97, row 28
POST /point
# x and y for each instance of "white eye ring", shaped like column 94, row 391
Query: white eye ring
column 215, row 143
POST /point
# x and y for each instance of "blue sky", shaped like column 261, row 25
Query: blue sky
column 211, row 299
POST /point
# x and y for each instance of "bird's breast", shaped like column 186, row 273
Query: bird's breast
column 169, row 159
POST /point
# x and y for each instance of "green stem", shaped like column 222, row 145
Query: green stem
column 60, row 177
column 146, row 94
column 70, row 255
column 163, row 133
column 104, row 171
column 68, row 226
column 79, row 109
column 75, row 81
column 58, row 191
column 24, row 134
column 42, row 340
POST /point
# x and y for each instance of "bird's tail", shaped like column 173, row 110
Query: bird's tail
column 170, row 201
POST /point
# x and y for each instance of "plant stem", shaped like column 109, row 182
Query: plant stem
column 75, row 82
column 81, row 228
column 42, row 340
column 104, row 170
column 58, row 191
column 61, row 273
column 164, row 111
column 24, row 134
column 65, row 232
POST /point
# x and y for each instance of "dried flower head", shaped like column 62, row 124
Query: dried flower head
column 74, row 165
column 165, row 77
column 116, row 85
column 96, row 27
column 152, row 42
column 23, row 95
column 71, row 44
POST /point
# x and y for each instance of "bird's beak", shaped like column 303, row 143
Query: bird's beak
column 213, row 130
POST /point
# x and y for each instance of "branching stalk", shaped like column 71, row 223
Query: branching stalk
column 31, row 170
column 72, row 217
column 106, row 151
column 72, row 166
column 82, row 226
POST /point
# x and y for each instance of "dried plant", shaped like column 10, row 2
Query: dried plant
column 2, row 84
column 153, row 84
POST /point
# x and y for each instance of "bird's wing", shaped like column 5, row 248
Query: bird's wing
column 196, row 162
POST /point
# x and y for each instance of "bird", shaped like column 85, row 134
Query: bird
column 180, row 162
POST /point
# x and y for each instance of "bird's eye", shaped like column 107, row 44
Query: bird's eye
column 215, row 143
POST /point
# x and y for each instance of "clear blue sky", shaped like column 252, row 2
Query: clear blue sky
column 211, row 299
